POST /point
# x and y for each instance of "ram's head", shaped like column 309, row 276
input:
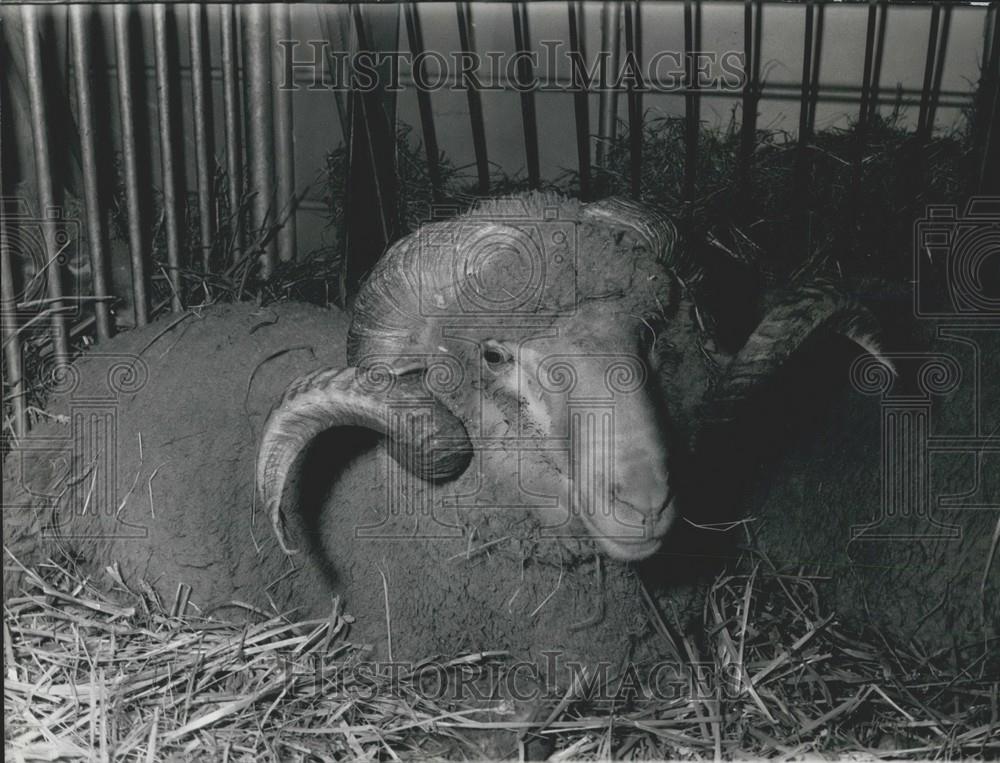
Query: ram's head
column 529, row 326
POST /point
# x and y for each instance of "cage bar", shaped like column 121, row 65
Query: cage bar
column 752, row 32
column 260, row 130
column 633, row 47
column 415, row 35
column 11, row 337
column 809, row 66
column 467, row 42
column 284, row 137
column 932, row 37
column 231, row 119
column 607, row 111
column 986, row 137
column 371, row 214
column 338, row 40
column 88, row 153
column 876, row 80
column 525, row 74
column 933, row 95
column 204, row 156
column 810, row 70
column 130, row 159
column 692, row 103
column 864, row 113
column 170, row 198
column 43, row 171
column 581, row 103
column 866, row 72
column 817, row 56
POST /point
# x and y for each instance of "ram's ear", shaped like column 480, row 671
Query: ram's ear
column 818, row 306
column 424, row 436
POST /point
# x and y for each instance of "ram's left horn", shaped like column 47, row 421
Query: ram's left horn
column 424, row 436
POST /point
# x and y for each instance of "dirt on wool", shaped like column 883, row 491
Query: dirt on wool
column 147, row 466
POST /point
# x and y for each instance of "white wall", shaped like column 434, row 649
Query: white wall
column 317, row 128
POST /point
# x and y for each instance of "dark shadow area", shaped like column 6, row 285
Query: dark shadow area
column 321, row 465
column 715, row 485
column 105, row 103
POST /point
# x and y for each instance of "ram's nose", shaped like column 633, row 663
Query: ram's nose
column 633, row 532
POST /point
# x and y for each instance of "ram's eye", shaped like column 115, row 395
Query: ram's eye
column 496, row 356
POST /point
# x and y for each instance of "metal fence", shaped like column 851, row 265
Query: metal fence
column 258, row 144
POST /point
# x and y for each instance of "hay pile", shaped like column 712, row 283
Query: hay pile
column 88, row 677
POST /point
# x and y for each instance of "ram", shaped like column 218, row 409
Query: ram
column 515, row 406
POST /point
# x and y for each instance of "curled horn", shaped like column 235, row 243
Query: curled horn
column 424, row 436
column 651, row 225
column 819, row 305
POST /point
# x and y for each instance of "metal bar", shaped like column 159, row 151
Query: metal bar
column 866, row 72
column 987, row 136
column 692, row 36
column 752, row 15
column 8, row 321
column 633, row 47
column 338, row 40
column 204, row 155
column 95, row 230
column 581, row 105
column 991, row 30
column 170, row 197
column 415, row 34
column 231, row 106
column 607, row 112
column 781, row 91
column 904, row 3
column 942, row 50
column 137, row 249
column 284, row 137
column 817, row 56
column 883, row 14
column 864, row 109
column 922, row 127
column 807, row 66
column 371, row 207
column 467, row 44
column 525, row 74
column 801, row 216
column 367, row 121
column 43, row 173
column 261, row 131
